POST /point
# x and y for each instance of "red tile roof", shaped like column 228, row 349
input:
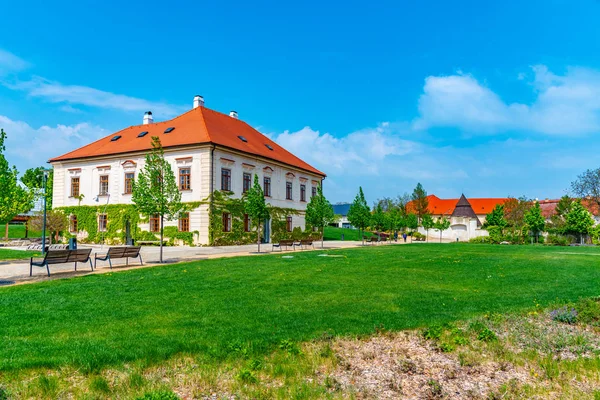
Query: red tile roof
column 197, row 126
column 439, row 206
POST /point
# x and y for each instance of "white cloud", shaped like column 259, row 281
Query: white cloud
column 30, row 147
column 56, row 92
column 565, row 105
column 11, row 63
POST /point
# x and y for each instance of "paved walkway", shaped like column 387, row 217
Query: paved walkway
column 17, row 272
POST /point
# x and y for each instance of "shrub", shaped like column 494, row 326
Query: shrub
column 481, row 240
column 433, row 332
column 588, row 311
column 418, row 236
column 564, row 314
column 557, row 240
column 247, row 376
column 487, row 335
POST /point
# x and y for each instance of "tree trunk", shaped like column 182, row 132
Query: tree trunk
column 362, row 237
column 258, row 236
column 162, row 219
column 440, row 236
column 322, row 235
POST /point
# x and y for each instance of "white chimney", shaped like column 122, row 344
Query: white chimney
column 233, row 114
column 148, row 118
column 198, row 101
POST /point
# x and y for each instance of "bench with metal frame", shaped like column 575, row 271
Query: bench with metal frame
column 306, row 243
column 61, row 257
column 284, row 243
column 125, row 252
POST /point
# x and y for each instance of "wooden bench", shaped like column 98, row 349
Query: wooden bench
column 306, row 242
column 284, row 243
column 61, row 257
column 373, row 240
column 125, row 252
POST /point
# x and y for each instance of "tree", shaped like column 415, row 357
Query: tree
column 587, row 185
column 319, row 212
column 33, row 179
column 579, row 220
column 496, row 218
column 514, row 212
column 401, row 203
column 155, row 190
column 256, row 207
column 359, row 214
column 427, row 223
column 441, row 225
column 558, row 219
column 535, row 220
column 14, row 199
column 412, row 221
column 420, row 202
column 378, row 218
column 56, row 222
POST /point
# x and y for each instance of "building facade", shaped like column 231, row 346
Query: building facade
column 341, row 211
column 207, row 150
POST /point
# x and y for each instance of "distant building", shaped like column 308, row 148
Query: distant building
column 341, row 210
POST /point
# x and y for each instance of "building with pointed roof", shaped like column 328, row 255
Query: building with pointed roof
column 208, row 151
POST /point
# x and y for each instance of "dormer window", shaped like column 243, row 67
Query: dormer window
column 243, row 139
column 142, row 134
column 268, row 146
column 115, row 138
column 169, row 129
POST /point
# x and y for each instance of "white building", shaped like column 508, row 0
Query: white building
column 208, row 151
column 341, row 211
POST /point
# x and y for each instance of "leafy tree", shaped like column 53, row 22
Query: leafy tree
column 33, row 179
column 387, row 204
column 558, row 220
column 56, row 222
column 256, row 207
column 319, row 212
column 420, row 202
column 412, row 222
column 496, row 218
column 359, row 214
column 14, row 199
column 155, row 190
column 378, row 218
column 441, row 225
column 579, row 220
column 401, row 203
column 587, row 185
column 427, row 223
column 514, row 212
column 535, row 220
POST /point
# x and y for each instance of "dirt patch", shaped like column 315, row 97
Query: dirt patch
column 404, row 365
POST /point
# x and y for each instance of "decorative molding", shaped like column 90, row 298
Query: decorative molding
column 184, row 159
column 316, row 183
column 268, row 170
column 103, row 167
column 248, row 166
column 75, row 170
column 289, row 175
column 227, row 161
column 128, row 162
column 303, row 179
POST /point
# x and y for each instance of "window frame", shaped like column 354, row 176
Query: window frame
column 103, row 217
column 73, row 227
column 73, row 178
column 289, row 190
column 226, row 179
column 246, row 181
column 187, row 185
column 128, row 183
column 247, row 223
column 289, row 223
column 102, row 192
column 226, row 220
column 154, row 223
column 183, row 225
column 313, row 192
column 267, row 186
column 303, row 192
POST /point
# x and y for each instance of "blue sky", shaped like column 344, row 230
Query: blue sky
column 490, row 99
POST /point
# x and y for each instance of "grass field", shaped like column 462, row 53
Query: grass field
column 332, row 233
column 232, row 309
column 6, row 254
column 18, row 232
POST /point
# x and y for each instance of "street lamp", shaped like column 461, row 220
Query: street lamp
column 44, row 180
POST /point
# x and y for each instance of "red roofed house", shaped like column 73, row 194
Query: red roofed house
column 208, row 151
column 466, row 216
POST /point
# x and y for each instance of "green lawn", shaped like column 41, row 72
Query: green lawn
column 18, row 232
column 248, row 305
column 6, row 254
column 332, row 233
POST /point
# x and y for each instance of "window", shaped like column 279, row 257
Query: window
column 247, row 181
column 169, row 129
column 184, row 223
column 75, row 187
column 247, row 224
column 155, row 223
column 103, row 185
column 267, row 186
column 185, row 179
column 288, row 190
column 314, row 191
column 289, row 223
column 129, row 177
column 302, row 192
column 226, row 222
column 243, row 139
column 115, row 138
column 73, row 224
column 226, row 179
column 102, row 222
column 142, row 134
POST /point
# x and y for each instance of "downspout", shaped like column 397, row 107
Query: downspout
column 211, row 197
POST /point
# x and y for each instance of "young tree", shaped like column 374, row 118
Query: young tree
column 441, row 225
column 319, row 212
column 588, row 185
column 33, row 179
column 56, row 222
column 563, row 207
column 256, row 207
column 535, row 220
column 496, row 218
column 412, row 222
column 427, row 223
column 14, row 199
column 514, row 212
column 359, row 214
column 420, row 202
column 579, row 220
column 401, row 202
column 155, row 190
column 378, row 219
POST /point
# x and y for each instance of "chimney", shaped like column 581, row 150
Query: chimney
column 233, row 114
column 198, row 101
column 148, row 118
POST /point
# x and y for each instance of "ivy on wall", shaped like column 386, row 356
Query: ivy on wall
column 223, row 203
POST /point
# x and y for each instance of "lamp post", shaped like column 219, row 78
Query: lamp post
column 44, row 179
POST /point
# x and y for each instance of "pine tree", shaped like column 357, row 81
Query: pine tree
column 155, row 190
column 359, row 214
column 420, row 202
column 319, row 212
column 256, row 207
